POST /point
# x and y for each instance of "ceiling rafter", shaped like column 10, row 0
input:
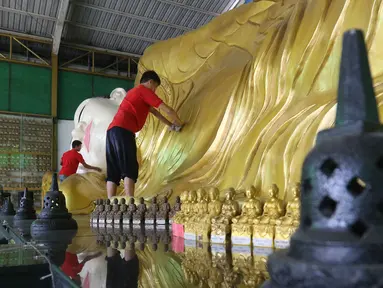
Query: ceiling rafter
column 133, row 16
column 64, row 4
column 189, row 7
column 109, row 31
column 26, row 13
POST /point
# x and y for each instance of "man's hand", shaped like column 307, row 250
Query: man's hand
column 176, row 128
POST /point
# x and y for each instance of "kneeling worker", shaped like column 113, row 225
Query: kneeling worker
column 70, row 161
column 121, row 149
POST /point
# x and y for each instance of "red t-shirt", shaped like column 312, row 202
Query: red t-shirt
column 70, row 161
column 134, row 109
column 71, row 267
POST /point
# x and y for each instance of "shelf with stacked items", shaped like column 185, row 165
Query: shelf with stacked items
column 25, row 152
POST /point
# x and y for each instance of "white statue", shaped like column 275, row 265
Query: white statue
column 91, row 121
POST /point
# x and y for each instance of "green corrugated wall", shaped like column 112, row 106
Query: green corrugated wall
column 27, row 89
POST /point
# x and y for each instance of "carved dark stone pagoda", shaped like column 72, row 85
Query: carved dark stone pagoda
column 54, row 215
column 339, row 242
column 26, row 210
column 7, row 209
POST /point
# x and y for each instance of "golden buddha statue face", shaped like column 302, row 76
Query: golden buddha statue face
column 230, row 194
column 184, row 196
column 213, row 194
column 273, row 191
column 296, row 190
column 201, row 195
column 192, row 196
column 251, row 192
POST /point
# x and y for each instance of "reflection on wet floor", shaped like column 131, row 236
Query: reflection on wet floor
column 194, row 264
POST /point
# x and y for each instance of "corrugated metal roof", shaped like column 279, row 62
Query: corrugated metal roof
column 122, row 25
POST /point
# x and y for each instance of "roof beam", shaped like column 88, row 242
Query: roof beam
column 68, row 44
column 22, row 12
column 189, row 7
column 64, row 4
column 80, row 25
column 133, row 16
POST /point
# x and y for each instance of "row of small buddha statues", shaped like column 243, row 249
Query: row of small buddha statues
column 117, row 212
column 127, row 237
column 206, row 218
column 204, row 267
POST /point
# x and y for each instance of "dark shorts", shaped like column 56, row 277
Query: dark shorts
column 121, row 155
column 122, row 273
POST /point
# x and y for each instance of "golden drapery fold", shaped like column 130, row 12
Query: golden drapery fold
column 255, row 86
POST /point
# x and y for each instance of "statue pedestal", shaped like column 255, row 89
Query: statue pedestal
column 178, row 230
column 150, row 221
column 126, row 221
column 190, row 233
column 219, row 232
column 203, row 234
column 241, row 234
column 263, row 235
column 283, row 235
column 161, row 222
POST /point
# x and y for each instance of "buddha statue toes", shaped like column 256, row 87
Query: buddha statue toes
column 272, row 209
column 251, row 209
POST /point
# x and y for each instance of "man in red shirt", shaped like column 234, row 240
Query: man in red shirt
column 121, row 149
column 71, row 159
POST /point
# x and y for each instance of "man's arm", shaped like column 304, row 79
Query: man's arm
column 171, row 114
column 87, row 166
column 160, row 117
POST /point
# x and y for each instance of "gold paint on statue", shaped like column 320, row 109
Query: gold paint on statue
column 178, row 217
column 251, row 208
column 199, row 210
column 214, row 210
column 264, row 226
column 288, row 224
column 273, row 209
column 221, row 225
column 269, row 69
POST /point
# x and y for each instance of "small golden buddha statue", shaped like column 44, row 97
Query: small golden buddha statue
column 163, row 214
column 251, row 209
column 98, row 210
column 230, row 208
column 107, row 208
column 264, row 226
column 287, row 225
column 221, row 225
column 151, row 213
column 199, row 209
column 191, row 207
column 127, row 216
column 214, row 208
column 118, row 216
column 293, row 209
column 241, row 229
column 178, row 217
column 139, row 214
column 273, row 208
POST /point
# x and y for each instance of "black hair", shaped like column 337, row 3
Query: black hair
column 150, row 75
column 76, row 143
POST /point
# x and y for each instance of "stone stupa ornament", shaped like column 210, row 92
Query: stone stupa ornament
column 339, row 242
column 26, row 210
column 54, row 215
column 7, row 208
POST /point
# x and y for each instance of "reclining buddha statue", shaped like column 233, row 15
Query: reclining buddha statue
column 255, row 85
